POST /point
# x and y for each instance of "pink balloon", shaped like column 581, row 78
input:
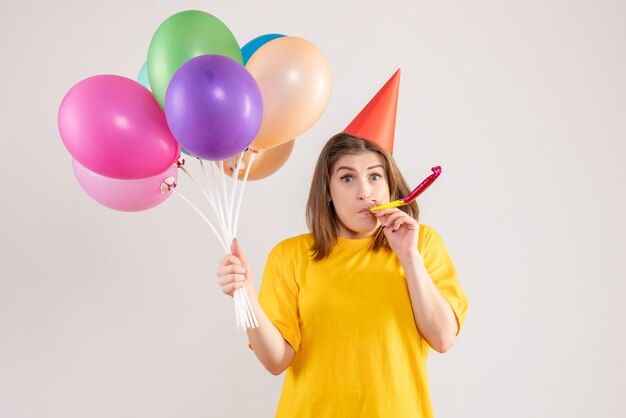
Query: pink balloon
column 125, row 195
column 114, row 127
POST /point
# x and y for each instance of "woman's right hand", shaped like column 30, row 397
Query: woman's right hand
column 233, row 271
column 272, row 350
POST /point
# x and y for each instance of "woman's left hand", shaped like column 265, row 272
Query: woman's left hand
column 401, row 230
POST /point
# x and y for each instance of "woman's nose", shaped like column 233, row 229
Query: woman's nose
column 364, row 193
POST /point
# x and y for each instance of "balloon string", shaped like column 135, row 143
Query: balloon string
column 208, row 186
column 234, row 191
column 197, row 184
column 220, row 211
column 210, row 189
column 210, row 198
column 238, row 166
column 243, row 308
column 221, row 196
column 237, row 305
column 243, row 186
column 248, row 312
column 248, row 306
column 229, row 223
column 202, row 216
column 244, row 315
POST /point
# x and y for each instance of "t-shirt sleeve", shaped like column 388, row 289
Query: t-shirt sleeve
column 278, row 296
column 442, row 271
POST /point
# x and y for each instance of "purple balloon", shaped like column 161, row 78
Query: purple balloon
column 213, row 107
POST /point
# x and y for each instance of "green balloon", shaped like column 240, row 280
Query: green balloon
column 184, row 36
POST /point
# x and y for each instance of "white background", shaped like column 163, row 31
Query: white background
column 110, row 314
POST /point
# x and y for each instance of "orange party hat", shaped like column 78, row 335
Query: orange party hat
column 377, row 121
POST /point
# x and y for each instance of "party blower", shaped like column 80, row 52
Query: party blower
column 413, row 195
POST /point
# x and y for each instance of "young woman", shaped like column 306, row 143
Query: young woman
column 351, row 309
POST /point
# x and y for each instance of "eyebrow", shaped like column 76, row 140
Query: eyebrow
column 344, row 167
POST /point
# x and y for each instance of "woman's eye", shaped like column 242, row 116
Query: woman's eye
column 346, row 179
column 376, row 177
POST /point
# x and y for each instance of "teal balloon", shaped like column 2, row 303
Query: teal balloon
column 251, row 47
column 142, row 78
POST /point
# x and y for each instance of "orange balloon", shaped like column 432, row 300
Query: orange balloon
column 295, row 82
column 266, row 162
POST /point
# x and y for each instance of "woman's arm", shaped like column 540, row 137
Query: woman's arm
column 433, row 315
column 268, row 344
column 272, row 350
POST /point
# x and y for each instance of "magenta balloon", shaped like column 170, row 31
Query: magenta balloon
column 214, row 107
column 124, row 195
column 114, row 127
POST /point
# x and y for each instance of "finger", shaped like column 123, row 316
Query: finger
column 224, row 269
column 398, row 223
column 386, row 212
column 229, row 259
column 225, row 273
column 230, row 288
column 230, row 278
column 389, row 215
column 391, row 219
column 239, row 253
column 235, row 268
column 407, row 221
column 235, row 249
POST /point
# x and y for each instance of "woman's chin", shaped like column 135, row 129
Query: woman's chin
column 359, row 230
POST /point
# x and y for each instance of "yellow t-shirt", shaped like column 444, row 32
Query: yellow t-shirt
column 349, row 320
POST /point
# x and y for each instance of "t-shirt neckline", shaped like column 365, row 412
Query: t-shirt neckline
column 354, row 243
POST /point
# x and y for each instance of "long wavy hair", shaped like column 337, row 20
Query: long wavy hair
column 321, row 217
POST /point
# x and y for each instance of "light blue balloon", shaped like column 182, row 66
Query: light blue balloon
column 142, row 78
column 251, row 47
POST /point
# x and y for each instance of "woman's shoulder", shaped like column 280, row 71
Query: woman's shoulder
column 427, row 230
column 302, row 242
column 429, row 235
column 429, row 239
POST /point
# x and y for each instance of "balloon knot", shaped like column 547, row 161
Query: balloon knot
column 168, row 184
column 180, row 162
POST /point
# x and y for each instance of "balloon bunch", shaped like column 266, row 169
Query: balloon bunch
column 200, row 93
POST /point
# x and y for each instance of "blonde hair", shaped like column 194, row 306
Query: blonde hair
column 321, row 217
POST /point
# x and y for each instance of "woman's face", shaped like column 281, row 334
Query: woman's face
column 357, row 183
